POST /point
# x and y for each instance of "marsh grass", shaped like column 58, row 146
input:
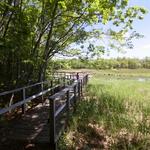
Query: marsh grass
column 115, row 114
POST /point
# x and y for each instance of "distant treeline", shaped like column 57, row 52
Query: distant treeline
column 127, row 63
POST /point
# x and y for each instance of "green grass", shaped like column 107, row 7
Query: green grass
column 117, row 72
column 115, row 114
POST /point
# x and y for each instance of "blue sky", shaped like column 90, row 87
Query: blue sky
column 141, row 46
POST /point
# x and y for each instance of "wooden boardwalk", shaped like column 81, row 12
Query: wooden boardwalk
column 31, row 127
column 43, row 123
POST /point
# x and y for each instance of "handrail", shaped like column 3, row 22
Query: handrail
column 43, row 82
column 25, row 100
column 19, row 89
column 71, row 93
column 28, row 86
column 20, row 103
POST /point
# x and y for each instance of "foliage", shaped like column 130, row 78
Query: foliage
column 111, row 116
column 33, row 31
column 116, row 63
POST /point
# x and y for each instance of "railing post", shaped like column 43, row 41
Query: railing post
column 68, row 105
column 79, row 89
column 70, row 78
column 64, row 79
column 52, row 91
column 52, row 125
column 67, row 76
column 11, row 101
column 75, row 97
column 54, row 81
column 77, row 76
column 24, row 105
column 42, row 88
column 51, row 83
column 58, row 80
column 83, row 81
column 87, row 77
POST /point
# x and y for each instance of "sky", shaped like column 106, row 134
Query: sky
column 141, row 46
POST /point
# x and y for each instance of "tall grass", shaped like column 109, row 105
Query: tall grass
column 115, row 114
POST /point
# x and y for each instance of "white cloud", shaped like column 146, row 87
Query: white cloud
column 127, row 34
column 146, row 46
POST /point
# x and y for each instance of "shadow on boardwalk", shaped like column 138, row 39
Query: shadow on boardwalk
column 33, row 127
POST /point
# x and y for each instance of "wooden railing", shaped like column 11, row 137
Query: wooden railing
column 57, row 80
column 70, row 95
column 61, row 100
column 22, row 103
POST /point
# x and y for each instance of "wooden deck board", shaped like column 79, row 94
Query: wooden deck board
column 33, row 126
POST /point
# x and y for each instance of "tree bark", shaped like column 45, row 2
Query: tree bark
column 43, row 66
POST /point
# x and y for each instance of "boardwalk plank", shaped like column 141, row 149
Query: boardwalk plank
column 33, row 126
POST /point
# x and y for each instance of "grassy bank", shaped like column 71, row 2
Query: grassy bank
column 116, row 72
column 115, row 114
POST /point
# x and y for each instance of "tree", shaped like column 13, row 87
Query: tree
column 33, row 31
